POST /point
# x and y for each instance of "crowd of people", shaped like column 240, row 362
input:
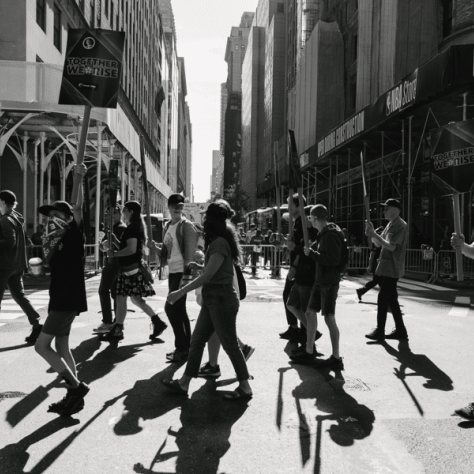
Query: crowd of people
column 317, row 252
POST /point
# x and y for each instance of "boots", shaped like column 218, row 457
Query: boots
column 157, row 326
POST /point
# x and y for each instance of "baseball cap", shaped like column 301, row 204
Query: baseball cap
column 175, row 199
column 61, row 206
column 319, row 211
column 8, row 196
column 392, row 203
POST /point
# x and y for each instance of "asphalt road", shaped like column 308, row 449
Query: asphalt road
column 389, row 411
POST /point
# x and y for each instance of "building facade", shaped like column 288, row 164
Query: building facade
column 38, row 137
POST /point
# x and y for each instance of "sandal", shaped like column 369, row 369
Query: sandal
column 237, row 394
column 174, row 385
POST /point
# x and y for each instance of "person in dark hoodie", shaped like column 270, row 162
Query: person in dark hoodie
column 326, row 283
column 13, row 260
column 300, row 292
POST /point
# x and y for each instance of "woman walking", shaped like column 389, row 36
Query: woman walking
column 131, row 281
column 220, row 303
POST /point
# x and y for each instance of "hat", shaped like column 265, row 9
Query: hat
column 8, row 196
column 219, row 211
column 307, row 210
column 133, row 206
column 392, row 203
column 61, row 206
column 319, row 211
column 175, row 199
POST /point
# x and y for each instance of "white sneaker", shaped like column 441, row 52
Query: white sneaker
column 104, row 327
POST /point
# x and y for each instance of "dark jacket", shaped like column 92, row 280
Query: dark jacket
column 297, row 236
column 12, row 241
column 328, row 255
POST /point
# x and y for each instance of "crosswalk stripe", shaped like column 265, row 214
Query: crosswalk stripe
column 11, row 315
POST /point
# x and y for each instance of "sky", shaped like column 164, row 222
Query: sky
column 202, row 29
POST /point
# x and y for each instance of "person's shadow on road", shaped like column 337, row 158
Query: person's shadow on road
column 203, row 438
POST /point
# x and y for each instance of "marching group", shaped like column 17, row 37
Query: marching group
column 311, row 286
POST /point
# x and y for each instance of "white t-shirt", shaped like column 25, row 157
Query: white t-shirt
column 175, row 259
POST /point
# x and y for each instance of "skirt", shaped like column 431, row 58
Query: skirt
column 134, row 285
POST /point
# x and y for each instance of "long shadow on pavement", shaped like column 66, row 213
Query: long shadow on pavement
column 203, row 438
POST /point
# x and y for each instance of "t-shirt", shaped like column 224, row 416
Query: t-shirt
column 175, row 257
column 392, row 264
column 131, row 232
column 67, row 291
column 225, row 273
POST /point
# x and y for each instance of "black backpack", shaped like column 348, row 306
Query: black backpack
column 341, row 267
column 241, row 280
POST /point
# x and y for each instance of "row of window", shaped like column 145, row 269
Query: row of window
column 41, row 20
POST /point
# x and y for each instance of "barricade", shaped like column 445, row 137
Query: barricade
column 269, row 257
column 358, row 258
column 447, row 265
column 420, row 261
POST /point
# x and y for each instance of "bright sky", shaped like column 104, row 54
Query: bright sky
column 202, row 29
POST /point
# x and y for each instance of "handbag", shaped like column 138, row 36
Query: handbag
column 146, row 272
column 241, row 282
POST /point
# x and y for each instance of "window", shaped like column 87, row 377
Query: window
column 106, row 8
column 38, row 59
column 242, row 47
column 41, row 14
column 57, row 28
column 92, row 22
column 240, row 32
column 112, row 16
column 81, row 5
column 354, row 48
column 236, row 47
column 280, row 8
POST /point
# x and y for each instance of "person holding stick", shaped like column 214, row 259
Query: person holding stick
column 390, row 268
column 67, row 298
column 110, row 272
column 458, row 242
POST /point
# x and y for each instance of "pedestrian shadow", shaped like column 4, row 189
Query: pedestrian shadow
column 353, row 420
column 14, row 348
column 14, row 457
column 88, row 370
column 204, row 436
column 421, row 365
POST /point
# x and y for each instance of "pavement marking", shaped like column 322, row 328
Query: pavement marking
column 11, row 315
column 462, row 311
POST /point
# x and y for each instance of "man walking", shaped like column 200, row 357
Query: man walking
column 328, row 256
column 13, row 260
column 108, row 280
column 390, row 268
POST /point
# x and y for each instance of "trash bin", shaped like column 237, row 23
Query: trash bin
column 36, row 266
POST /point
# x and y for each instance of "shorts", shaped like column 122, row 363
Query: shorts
column 58, row 323
column 323, row 298
column 299, row 296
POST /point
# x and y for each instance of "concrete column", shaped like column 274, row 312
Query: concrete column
column 97, row 195
column 41, row 171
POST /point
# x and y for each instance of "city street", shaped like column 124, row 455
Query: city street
column 390, row 411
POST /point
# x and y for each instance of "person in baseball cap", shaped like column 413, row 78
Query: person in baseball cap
column 64, row 208
column 392, row 203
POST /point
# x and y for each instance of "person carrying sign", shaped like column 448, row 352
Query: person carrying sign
column 390, row 268
column 67, row 298
column 13, row 261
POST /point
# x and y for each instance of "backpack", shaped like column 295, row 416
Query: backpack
column 241, row 280
column 341, row 267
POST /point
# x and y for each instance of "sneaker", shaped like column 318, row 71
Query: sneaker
column 35, row 332
column 359, row 293
column 208, row 370
column 332, row 363
column 395, row 334
column 104, row 327
column 74, row 399
column 247, row 351
column 177, row 356
column 115, row 333
column 376, row 335
column 157, row 326
column 303, row 358
column 59, row 407
column 466, row 412
column 290, row 333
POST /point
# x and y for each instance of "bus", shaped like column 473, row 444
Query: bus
column 265, row 218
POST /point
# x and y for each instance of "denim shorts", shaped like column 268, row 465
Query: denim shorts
column 299, row 296
column 323, row 298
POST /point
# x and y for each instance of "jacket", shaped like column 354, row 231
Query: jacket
column 187, row 237
column 306, row 268
column 328, row 255
column 13, row 241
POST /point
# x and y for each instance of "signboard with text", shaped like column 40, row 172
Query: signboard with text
column 92, row 68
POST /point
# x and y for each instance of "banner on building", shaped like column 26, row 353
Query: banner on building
column 295, row 178
column 92, row 68
column 452, row 155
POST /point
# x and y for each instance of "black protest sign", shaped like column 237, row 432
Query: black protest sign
column 453, row 154
column 92, row 68
column 51, row 239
